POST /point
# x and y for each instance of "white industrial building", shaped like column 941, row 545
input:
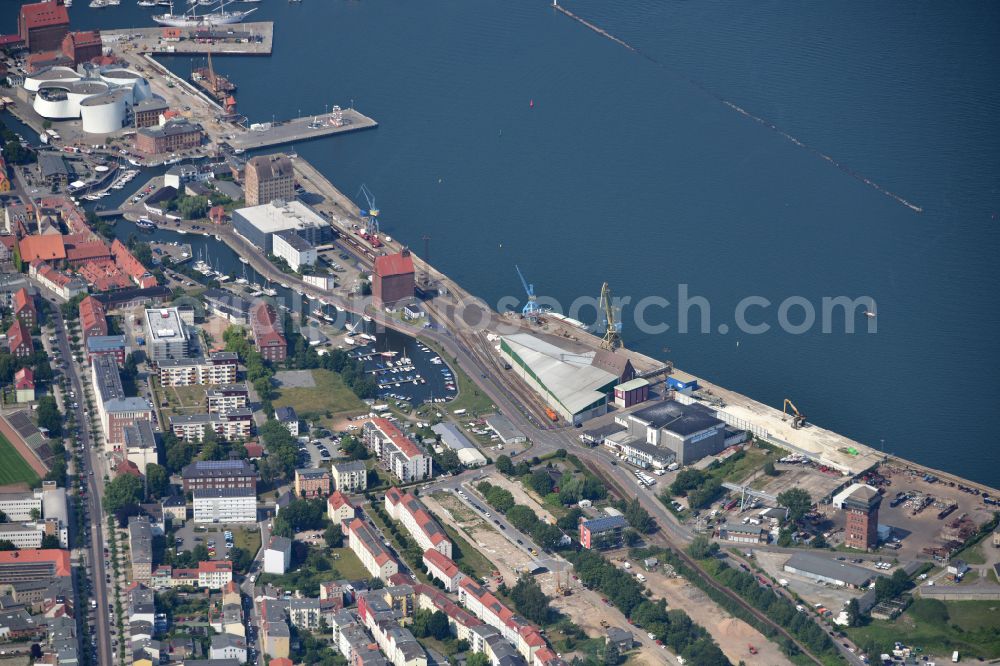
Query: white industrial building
column 295, row 250
column 225, row 505
column 453, row 438
column 569, row 382
column 260, row 224
column 99, row 97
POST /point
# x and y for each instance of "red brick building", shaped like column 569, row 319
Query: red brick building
column 93, row 318
column 267, row 333
column 861, row 507
column 24, row 308
column 131, row 266
column 174, row 135
column 392, row 280
column 42, row 25
column 82, row 46
column 19, row 340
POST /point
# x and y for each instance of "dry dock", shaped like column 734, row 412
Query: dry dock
column 236, row 39
column 301, row 129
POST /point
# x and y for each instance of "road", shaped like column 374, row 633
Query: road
column 95, row 486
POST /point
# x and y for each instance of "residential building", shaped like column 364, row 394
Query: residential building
column 479, row 601
column 267, row 335
column 215, row 575
column 219, row 474
column 93, row 317
column 604, row 532
column 287, row 417
column 174, row 135
column 140, row 444
column 228, row 646
column 63, row 285
column 230, row 425
column 114, row 409
column 107, row 345
column 24, row 385
column 275, row 635
column 225, row 505
column 397, row 453
column 147, row 112
column 24, row 308
column 375, row 557
column 213, row 368
column 393, row 278
column 227, row 397
column 312, row 482
column 396, row 643
column 268, row 178
column 441, row 567
column 277, row 555
column 339, row 509
column 19, row 507
column 349, row 476
column 861, row 507
column 167, row 335
column 295, row 250
column 19, row 341
column 417, row 520
column 128, row 264
column 140, row 542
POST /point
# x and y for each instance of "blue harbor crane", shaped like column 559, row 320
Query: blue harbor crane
column 369, row 214
column 531, row 309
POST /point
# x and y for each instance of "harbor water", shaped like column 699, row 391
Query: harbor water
column 744, row 149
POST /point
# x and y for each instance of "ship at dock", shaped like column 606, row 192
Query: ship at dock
column 191, row 18
column 216, row 85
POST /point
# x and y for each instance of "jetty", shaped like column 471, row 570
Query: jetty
column 256, row 38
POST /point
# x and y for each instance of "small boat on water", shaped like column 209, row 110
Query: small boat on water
column 145, row 223
column 244, row 260
column 870, row 312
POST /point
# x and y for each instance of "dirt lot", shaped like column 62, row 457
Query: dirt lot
column 734, row 636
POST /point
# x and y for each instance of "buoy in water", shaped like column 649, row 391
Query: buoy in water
column 531, row 104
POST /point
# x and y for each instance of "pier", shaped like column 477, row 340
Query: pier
column 301, row 129
column 236, row 39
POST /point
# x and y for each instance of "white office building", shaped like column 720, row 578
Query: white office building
column 167, row 335
column 294, row 249
column 225, row 505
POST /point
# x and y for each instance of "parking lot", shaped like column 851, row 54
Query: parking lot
column 193, row 535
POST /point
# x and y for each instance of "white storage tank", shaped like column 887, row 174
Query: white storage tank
column 104, row 114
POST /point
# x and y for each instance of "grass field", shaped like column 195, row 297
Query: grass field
column 971, row 627
column 13, row 467
column 349, row 565
column 329, row 396
column 248, row 540
column 738, row 470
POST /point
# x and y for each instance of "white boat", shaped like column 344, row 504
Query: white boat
column 284, row 284
column 97, row 4
column 191, row 19
column 338, row 308
column 146, row 3
column 367, row 318
column 244, row 260
column 870, row 312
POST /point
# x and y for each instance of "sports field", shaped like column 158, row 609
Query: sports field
column 13, row 468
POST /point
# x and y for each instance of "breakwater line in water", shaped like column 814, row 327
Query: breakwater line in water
column 738, row 109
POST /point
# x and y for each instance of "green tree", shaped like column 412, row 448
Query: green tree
column 49, row 416
column 124, row 489
column 769, row 468
column 333, row 536
column 157, row 481
column 854, row 612
column 612, row 656
column 797, row 501
column 702, row 548
column 505, row 465
column 7, row 545
column 477, row 659
column 639, row 518
column 540, row 482
column 437, row 626
column 530, row 601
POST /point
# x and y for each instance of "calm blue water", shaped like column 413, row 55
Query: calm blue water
column 629, row 169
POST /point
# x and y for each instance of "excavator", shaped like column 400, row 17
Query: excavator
column 798, row 418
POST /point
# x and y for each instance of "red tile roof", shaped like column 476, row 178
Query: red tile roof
column 80, row 249
column 23, row 299
column 338, row 499
column 370, row 542
column 93, row 316
column 127, row 262
column 400, row 263
column 128, row 467
column 443, row 564
column 24, row 379
column 60, row 558
column 264, row 321
column 486, row 598
column 19, row 334
column 214, row 566
column 44, row 14
column 420, row 514
column 402, row 442
column 42, row 248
